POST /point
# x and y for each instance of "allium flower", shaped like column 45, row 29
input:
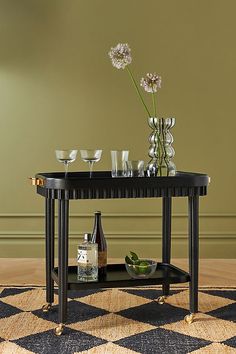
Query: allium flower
column 120, row 55
column 121, row 58
column 151, row 82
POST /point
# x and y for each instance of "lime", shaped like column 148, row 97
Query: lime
column 136, row 262
column 144, row 267
column 144, row 264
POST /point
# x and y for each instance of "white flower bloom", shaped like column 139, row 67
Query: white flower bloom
column 120, row 55
column 151, row 82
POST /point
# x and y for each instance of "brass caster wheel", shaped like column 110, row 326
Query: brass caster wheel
column 161, row 300
column 189, row 318
column 47, row 307
column 59, row 329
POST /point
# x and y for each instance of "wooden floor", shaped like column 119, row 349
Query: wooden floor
column 29, row 271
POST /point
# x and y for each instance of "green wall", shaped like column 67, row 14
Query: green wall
column 59, row 89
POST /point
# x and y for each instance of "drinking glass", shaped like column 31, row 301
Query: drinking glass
column 118, row 160
column 91, row 156
column 135, row 168
column 66, row 157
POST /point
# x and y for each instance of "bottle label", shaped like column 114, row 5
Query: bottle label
column 86, row 257
column 102, row 259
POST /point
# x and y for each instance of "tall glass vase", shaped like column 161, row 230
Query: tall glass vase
column 160, row 149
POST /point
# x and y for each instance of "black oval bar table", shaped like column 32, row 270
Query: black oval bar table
column 78, row 185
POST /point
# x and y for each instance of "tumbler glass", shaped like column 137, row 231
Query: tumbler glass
column 135, row 168
column 118, row 160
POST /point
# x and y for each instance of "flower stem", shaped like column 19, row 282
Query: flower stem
column 159, row 152
column 137, row 90
column 154, row 104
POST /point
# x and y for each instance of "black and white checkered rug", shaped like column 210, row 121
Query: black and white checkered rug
column 120, row 321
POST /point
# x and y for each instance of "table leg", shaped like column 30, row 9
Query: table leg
column 166, row 241
column 63, row 222
column 193, row 255
column 49, row 231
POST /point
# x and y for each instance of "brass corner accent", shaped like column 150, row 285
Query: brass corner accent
column 36, row 181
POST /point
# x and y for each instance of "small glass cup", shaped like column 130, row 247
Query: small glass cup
column 119, row 159
column 135, row 168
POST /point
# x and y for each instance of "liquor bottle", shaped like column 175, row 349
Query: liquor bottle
column 99, row 238
column 87, row 260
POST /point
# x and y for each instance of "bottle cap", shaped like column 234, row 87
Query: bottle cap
column 87, row 237
column 97, row 212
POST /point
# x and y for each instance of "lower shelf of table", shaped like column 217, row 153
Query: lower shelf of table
column 117, row 276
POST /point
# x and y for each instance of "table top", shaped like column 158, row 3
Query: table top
column 78, row 185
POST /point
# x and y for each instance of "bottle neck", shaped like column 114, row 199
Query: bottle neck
column 98, row 222
column 98, row 235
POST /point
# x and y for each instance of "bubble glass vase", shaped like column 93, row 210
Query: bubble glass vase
column 160, row 149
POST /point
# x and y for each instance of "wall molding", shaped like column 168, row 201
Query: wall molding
column 23, row 235
column 7, row 235
column 123, row 215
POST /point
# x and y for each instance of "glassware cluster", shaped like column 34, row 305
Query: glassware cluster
column 87, row 155
column 121, row 166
